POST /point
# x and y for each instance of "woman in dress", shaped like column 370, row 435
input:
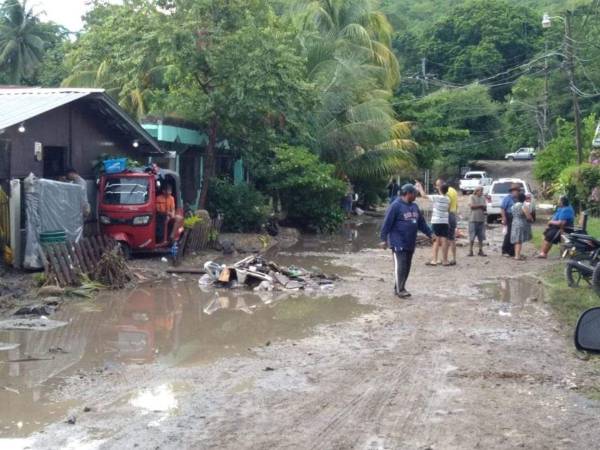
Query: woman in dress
column 521, row 226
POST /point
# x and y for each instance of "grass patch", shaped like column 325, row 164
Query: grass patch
column 568, row 302
column 593, row 227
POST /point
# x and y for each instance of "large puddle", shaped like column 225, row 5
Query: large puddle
column 172, row 323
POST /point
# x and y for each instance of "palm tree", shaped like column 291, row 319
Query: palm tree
column 22, row 41
column 348, row 48
column 132, row 92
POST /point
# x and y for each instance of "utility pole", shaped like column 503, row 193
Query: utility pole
column 425, row 85
column 571, row 72
column 545, row 106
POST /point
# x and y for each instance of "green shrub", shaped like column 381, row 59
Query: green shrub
column 578, row 182
column 561, row 151
column 309, row 193
column 244, row 209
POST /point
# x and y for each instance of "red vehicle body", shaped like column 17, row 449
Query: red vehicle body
column 127, row 209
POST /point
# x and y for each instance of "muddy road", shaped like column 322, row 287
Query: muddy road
column 474, row 359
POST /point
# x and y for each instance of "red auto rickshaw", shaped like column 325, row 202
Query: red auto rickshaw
column 127, row 209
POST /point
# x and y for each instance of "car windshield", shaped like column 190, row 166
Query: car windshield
column 503, row 187
column 473, row 176
column 126, row 191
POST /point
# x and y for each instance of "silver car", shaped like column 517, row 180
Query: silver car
column 524, row 153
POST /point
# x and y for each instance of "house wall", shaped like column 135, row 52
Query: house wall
column 71, row 126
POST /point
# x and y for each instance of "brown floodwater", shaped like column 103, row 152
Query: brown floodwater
column 171, row 323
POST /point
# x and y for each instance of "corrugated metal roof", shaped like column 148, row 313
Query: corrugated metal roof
column 18, row 105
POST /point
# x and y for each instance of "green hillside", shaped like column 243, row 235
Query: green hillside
column 415, row 13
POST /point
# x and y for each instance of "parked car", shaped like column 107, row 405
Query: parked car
column 473, row 179
column 525, row 153
column 500, row 189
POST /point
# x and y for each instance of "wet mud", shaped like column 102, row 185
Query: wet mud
column 472, row 360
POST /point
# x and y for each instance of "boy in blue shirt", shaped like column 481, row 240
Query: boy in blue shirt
column 563, row 218
column 399, row 230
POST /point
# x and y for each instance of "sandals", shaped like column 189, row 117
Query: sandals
column 520, row 258
column 540, row 256
column 431, row 263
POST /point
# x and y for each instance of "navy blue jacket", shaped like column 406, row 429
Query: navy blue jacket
column 400, row 226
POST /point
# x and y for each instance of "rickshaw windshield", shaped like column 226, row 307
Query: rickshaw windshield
column 126, row 191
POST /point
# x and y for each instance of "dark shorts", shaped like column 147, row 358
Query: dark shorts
column 440, row 229
column 451, row 226
column 552, row 234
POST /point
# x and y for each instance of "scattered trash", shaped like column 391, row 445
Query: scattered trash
column 57, row 350
column 51, row 291
column 72, row 420
column 33, row 324
column 35, row 310
column 268, row 369
column 6, row 346
column 87, row 409
column 9, row 389
column 265, row 276
column 163, row 259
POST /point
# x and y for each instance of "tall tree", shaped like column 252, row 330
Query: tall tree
column 348, row 45
column 22, row 40
column 123, row 49
column 240, row 73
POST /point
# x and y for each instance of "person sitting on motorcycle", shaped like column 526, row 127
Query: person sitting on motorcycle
column 562, row 220
column 165, row 208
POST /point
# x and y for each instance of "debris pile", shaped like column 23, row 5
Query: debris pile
column 260, row 275
column 112, row 270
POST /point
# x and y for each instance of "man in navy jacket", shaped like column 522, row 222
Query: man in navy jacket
column 399, row 230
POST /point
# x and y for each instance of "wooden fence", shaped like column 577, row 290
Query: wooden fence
column 200, row 236
column 66, row 262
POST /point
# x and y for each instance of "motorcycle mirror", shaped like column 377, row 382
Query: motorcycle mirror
column 587, row 333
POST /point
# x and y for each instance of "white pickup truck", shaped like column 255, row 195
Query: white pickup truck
column 473, row 179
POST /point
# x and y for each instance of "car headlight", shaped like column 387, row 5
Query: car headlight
column 105, row 220
column 141, row 220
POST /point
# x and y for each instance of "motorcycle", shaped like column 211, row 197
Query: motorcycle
column 583, row 252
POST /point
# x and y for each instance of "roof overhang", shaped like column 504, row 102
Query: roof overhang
column 18, row 105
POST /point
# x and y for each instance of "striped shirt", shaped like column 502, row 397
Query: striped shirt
column 441, row 205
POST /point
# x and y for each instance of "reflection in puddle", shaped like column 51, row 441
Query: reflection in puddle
column 172, row 323
column 516, row 294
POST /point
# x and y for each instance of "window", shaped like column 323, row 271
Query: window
column 126, row 191
column 473, row 176
column 504, row 187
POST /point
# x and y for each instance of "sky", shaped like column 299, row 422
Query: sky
column 64, row 12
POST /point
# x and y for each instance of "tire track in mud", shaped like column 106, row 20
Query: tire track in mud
column 398, row 400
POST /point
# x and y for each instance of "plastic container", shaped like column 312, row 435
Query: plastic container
column 53, row 237
column 115, row 165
